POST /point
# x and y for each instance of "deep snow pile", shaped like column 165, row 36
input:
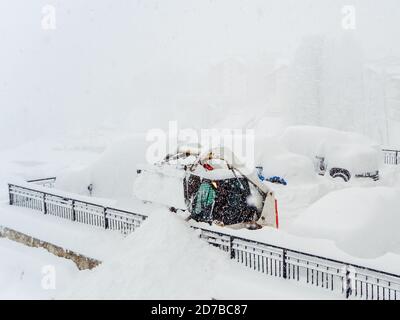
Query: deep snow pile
column 363, row 222
column 28, row 273
column 45, row 158
column 341, row 149
column 113, row 174
column 390, row 175
column 162, row 259
column 276, row 160
column 165, row 259
column 164, row 187
column 308, row 139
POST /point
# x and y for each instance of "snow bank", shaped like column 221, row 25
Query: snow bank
column 40, row 159
column 23, row 272
column 390, row 176
column 161, row 188
column 113, row 174
column 363, row 222
column 85, row 239
column 308, row 140
column 342, row 149
column 276, row 160
column 390, row 262
column 269, row 126
column 165, row 259
column 151, row 261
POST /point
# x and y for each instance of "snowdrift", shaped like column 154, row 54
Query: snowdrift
column 363, row 222
column 165, row 259
column 276, row 160
column 164, row 187
column 341, row 149
column 113, row 174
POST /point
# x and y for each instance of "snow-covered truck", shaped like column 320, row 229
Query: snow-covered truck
column 212, row 186
column 341, row 154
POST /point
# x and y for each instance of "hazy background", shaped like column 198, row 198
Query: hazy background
column 137, row 63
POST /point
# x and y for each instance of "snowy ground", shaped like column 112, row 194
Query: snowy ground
column 28, row 273
column 164, row 259
column 23, row 269
column 143, row 266
column 223, row 278
column 77, row 237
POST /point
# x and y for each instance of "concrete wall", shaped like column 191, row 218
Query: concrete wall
column 81, row 261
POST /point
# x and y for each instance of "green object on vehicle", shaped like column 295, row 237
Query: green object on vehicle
column 204, row 198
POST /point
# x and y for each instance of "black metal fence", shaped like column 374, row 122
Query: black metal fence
column 391, row 156
column 349, row 279
column 46, row 182
column 74, row 209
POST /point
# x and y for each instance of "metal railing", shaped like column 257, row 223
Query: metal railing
column 74, row 209
column 338, row 276
column 350, row 279
column 46, row 182
column 391, row 156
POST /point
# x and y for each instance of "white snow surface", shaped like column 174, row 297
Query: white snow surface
column 23, row 272
column 113, row 174
column 341, row 149
column 84, row 239
column 362, row 221
column 156, row 187
column 276, row 160
column 165, row 259
column 44, row 158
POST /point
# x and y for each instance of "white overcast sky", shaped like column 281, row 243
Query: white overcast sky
column 96, row 55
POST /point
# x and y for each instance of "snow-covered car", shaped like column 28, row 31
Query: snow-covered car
column 340, row 154
column 275, row 160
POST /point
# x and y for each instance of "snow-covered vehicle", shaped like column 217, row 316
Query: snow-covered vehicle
column 341, row 154
column 211, row 186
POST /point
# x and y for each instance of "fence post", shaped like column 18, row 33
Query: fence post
column 44, row 204
column 105, row 218
column 10, row 195
column 232, row 251
column 284, row 264
column 347, row 283
column 73, row 211
column 397, row 158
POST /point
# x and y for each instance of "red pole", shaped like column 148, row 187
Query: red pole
column 276, row 214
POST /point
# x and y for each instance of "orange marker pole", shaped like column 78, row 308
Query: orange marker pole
column 276, row 214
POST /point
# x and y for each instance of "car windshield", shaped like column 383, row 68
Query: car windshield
column 223, row 200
